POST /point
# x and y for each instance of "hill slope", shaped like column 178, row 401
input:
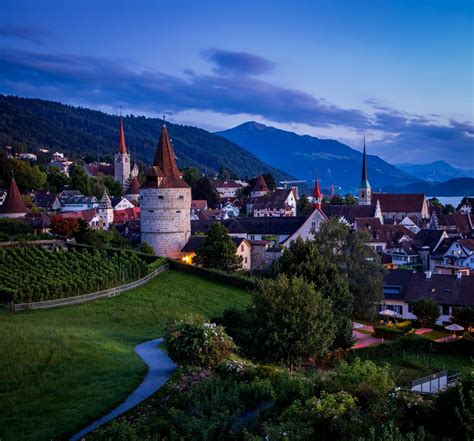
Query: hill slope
column 304, row 156
column 452, row 187
column 437, row 171
column 80, row 132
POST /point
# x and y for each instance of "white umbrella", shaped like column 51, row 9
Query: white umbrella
column 356, row 325
column 454, row 327
column 388, row 313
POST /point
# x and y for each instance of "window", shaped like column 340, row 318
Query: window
column 178, row 211
column 395, row 308
column 378, row 248
column 313, row 224
column 181, row 197
column 242, row 248
column 160, row 197
column 445, row 309
column 245, row 260
column 252, row 237
column 151, row 211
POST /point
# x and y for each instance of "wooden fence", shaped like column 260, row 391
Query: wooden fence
column 111, row 292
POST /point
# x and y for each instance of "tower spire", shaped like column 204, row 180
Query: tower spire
column 122, row 147
column 365, row 192
column 364, row 166
column 317, row 195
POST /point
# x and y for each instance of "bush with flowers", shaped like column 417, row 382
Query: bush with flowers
column 192, row 341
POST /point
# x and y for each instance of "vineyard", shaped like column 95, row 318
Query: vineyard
column 33, row 274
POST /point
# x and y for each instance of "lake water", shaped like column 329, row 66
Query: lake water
column 453, row 200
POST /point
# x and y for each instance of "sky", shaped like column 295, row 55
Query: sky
column 398, row 71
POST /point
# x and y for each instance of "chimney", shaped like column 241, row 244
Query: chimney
column 428, row 274
column 459, row 274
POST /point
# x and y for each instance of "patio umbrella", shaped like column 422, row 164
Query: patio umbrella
column 454, row 327
column 388, row 313
column 356, row 325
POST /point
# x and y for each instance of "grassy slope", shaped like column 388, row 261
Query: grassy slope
column 64, row 367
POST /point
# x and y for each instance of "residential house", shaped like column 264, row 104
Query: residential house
column 121, row 203
column 126, row 214
column 228, row 189
column 198, row 205
column 90, row 216
column 403, row 287
column 230, row 205
column 455, row 224
column 348, row 214
column 243, row 249
column 282, row 202
column 399, row 206
column 46, row 201
column 466, row 206
column 74, row 200
column 133, row 191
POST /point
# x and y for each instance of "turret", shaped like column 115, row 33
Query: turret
column 365, row 191
column 260, row 188
column 13, row 205
column 106, row 211
column 317, row 195
column 122, row 160
column 165, row 202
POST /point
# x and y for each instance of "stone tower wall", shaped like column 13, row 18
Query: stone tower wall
column 166, row 219
column 122, row 169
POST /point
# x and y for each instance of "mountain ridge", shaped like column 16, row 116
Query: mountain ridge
column 81, row 132
column 304, row 156
column 436, row 171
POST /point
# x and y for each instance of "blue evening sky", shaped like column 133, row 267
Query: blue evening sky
column 399, row 71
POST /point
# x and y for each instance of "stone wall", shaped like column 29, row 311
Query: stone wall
column 166, row 219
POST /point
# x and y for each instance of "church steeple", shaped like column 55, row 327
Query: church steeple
column 122, row 160
column 122, row 147
column 365, row 191
column 317, row 195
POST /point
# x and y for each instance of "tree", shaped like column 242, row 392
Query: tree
column 191, row 176
column 218, row 250
column 193, row 342
column 146, row 248
column 304, row 206
column 349, row 199
column 463, row 316
column 448, row 209
column 427, row 311
column 293, row 321
column 79, row 180
column 67, row 227
column 56, row 179
column 349, row 251
column 113, row 187
column 336, row 200
column 226, row 174
column 304, row 258
column 27, row 177
column 205, row 190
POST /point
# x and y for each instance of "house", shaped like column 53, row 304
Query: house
column 308, row 228
column 90, row 216
column 215, row 214
column 402, row 288
column 460, row 254
column 457, row 224
column 228, row 189
column 198, row 205
column 133, row 191
column 39, row 222
column 465, row 206
column 260, row 188
column 349, row 213
column 99, row 168
column 46, row 201
column 74, row 200
column 126, row 214
column 282, row 202
column 243, row 249
column 399, row 206
column 121, row 203
column 413, row 223
column 231, row 206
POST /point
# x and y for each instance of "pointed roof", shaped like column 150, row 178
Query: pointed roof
column 364, row 182
column 134, row 187
column 13, row 203
column 317, row 192
column 164, row 172
column 105, row 202
column 260, row 185
column 122, row 147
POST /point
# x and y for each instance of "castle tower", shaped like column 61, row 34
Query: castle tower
column 106, row 211
column 260, row 188
column 13, row 205
column 365, row 191
column 317, row 195
column 165, row 202
column 122, row 160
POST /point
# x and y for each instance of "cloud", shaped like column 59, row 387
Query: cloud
column 237, row 63
column 400, row 137
column 33, row 34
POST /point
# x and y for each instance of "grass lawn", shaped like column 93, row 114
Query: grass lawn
column 62, row 368
column 434, row 335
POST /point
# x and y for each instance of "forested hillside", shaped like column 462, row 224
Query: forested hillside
column 82, row 132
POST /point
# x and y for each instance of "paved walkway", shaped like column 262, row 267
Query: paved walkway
column 160, row 368
column 422, row 331
column 362, row 339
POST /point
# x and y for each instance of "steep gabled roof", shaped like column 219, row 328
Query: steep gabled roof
column 405, row 203
column 317, row 192
column 13, row 203
column 134, row 187
column 122, row 147
column 260, row 185
column 275, row 201
column 348, row 212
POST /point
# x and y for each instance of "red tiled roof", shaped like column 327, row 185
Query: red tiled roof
column 458, row 221
column 348, row 212
column 134, row 187
column 13, row 203
column 392, row 202
column 121, row 216
column 85, row 215
column 122, row 147
column 199, row 204
column 316, row 192
column 260, row 185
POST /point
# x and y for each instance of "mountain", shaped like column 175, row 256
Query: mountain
column 437, row 171
column 305, row 156
column 81, row 132
column 452, row 187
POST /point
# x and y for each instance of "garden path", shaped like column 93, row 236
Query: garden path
column 160, row 368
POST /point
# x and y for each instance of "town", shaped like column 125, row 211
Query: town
column 238, row 220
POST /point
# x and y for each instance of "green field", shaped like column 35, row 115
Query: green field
column 63, row 368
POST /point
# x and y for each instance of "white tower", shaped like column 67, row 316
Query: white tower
column 106, row 212
column 365, row 191
column 165, row 202
column 122, row 160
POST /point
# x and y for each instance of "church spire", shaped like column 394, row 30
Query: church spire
column 164, row 157
column 122, row 147
column 364, row 179
column 365, row 192
column 317, row 195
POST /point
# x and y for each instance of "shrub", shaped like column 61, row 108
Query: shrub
column 388, row 332
column 463, row 316
column 193, row 342
column 427, row 311
column 364, row 379
column 146, row 249
column 117, row 431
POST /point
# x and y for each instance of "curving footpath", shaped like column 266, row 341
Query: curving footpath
column 160, row 368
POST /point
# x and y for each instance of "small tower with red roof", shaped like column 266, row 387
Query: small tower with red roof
column 317, row 195
column 13, row 205
column 165, row 202
column 260, row 188
column 122, row 160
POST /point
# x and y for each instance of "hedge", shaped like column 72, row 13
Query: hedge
column 388, row 332
column 235, row 280
column 148, row 258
